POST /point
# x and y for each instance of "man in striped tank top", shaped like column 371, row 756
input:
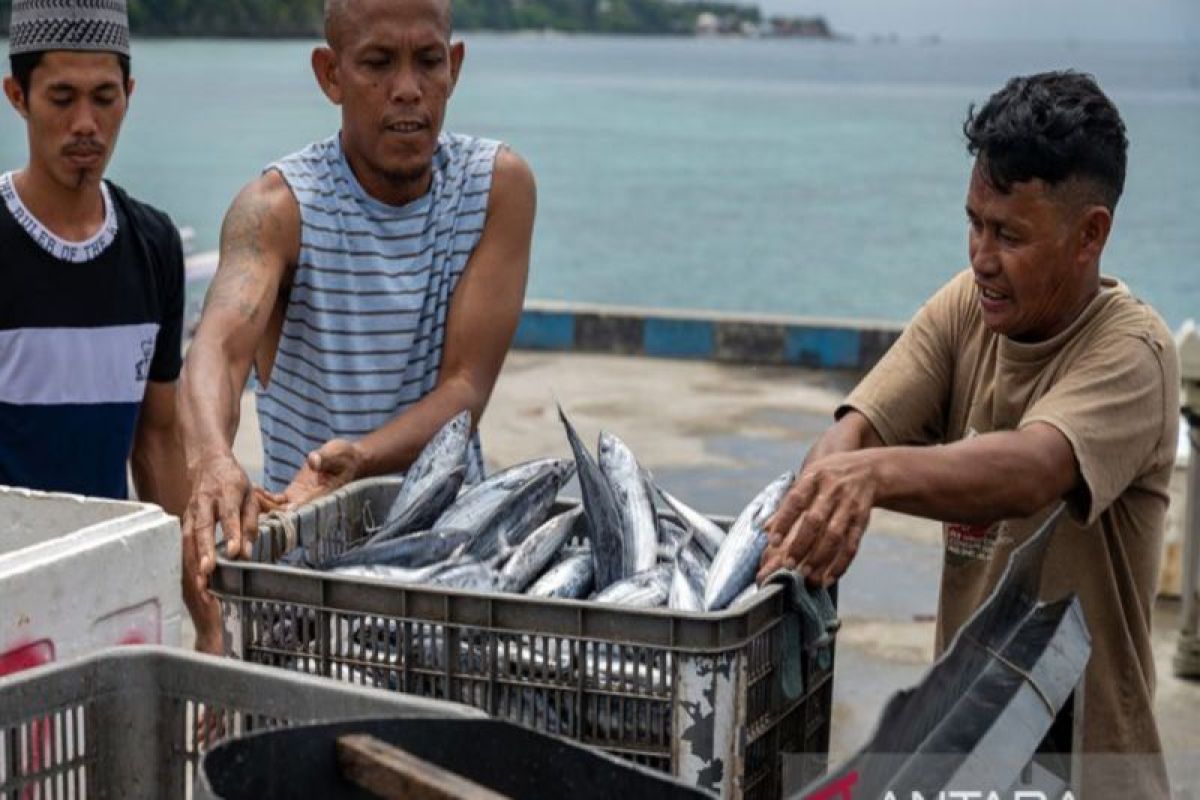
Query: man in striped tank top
column 374, row 280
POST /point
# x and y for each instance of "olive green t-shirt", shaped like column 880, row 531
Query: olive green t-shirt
column 1109, row 383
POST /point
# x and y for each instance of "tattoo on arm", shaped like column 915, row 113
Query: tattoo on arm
column 242, row 253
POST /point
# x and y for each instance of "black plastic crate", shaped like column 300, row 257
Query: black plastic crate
column 693, row 695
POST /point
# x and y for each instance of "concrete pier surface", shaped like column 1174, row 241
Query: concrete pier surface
column 714, row 434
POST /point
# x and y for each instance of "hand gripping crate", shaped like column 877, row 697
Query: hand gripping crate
column 698, row 696
column 132, row 722
column 65, row 564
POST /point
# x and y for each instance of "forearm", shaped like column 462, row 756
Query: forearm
column 158, row 470
column 397, row 444
column 979, row 480
column 210, row 400
column 852, row 432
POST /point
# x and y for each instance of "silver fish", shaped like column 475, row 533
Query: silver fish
column 517, row 517
column 635, row 509
column 643, row 590
column 570, row 578
column 736, row 562
column 707, row 534
column 671, row 536
column 532, row 555
column 385, row 573
column 477, row 503
column 423, row 510
column 745, row 596
column 465, row 574
column 445, row 451
column 600, row 508
column 411, row 551
column 687, row 582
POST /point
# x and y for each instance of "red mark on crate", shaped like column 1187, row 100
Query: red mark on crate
column 26, row 656
column 133, row 637
column 841, row 788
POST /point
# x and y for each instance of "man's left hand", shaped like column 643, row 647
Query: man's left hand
column 821, row 519
column 325, row 470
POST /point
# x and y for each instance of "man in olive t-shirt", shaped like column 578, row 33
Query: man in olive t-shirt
column 1026, row 380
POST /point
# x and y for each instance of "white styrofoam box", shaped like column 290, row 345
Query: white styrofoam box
column 78, row 574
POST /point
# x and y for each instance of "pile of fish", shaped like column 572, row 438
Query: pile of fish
column 505, row 535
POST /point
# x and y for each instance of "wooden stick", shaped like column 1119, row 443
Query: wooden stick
column 394, row 774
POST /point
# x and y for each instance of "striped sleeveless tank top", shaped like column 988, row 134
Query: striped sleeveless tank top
column 365, row 322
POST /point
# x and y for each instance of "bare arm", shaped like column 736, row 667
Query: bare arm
column 978, row 480
column 852, row 432
column 482, row 319
column 259, row 241
column 160, row 476
column 157, row 462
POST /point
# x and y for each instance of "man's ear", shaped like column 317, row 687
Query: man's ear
column 458, row 51
column 16, row 96
column 1095, row 223
column 325, row 68
column 130, row 85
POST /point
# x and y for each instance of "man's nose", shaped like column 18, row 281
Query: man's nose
column 406, row 89
column 983, row 254
column 83, row 124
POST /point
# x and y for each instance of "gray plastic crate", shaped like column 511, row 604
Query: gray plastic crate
column 693, row 695
column 124, row 723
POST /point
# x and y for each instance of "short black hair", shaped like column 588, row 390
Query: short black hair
column 23, row 65
column 1054, row 126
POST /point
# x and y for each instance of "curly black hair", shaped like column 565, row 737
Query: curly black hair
column 1054, row 126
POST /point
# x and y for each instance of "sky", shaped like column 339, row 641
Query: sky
column 1042, row 20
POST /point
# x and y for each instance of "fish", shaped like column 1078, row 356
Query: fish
column 570, row 578
column 736, row 562
column 706, row 533
column 635, row 509
column 386, row 573
column 687, row 581
column 643, row 590
column 516, row 518
column 600, row 509
column 478, row 502
column 423, row 510
column 440, row 456
column 530, row 557
column 465, row 573
column 411, row 551
column 745, row 596
column 671, row 536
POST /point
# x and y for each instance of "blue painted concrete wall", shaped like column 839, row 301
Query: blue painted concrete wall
column 820, row 344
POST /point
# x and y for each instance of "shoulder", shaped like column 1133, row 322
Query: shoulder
column 512, row 175
column 1127, row 327
column 148, row 222
column 952, row 312
column 313, row 162
column 266, row 200
column 264, row 219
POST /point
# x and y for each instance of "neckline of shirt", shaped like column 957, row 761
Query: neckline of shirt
column 52, row 243
column 1020, row 352
column 413, row 208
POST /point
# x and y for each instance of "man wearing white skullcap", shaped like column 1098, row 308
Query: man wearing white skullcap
column 92, row 303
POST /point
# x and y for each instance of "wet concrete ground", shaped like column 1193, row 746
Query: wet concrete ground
column 715, row 434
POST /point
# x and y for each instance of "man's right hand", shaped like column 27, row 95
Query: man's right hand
column 221, row 493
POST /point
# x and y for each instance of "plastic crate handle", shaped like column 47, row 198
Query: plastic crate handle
column 809, row 625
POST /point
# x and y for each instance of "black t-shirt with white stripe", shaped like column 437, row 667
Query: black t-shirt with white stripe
column 83, row 326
